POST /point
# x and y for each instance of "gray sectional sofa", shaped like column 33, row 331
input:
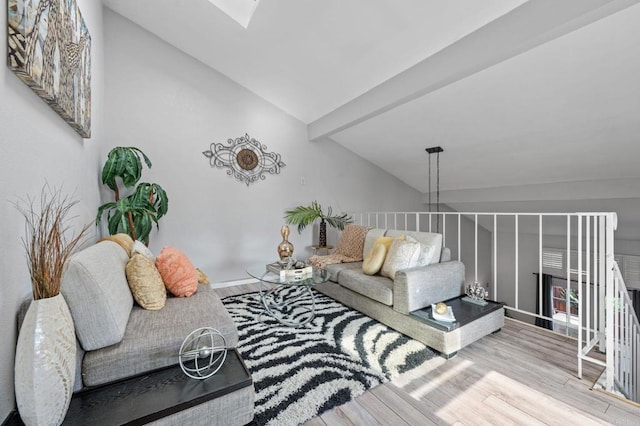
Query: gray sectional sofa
column 117, row 339
column 391, row 301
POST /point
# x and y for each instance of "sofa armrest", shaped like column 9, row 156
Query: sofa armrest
column 419, row 287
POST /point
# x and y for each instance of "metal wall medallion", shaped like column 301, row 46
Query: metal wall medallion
column 246, row 158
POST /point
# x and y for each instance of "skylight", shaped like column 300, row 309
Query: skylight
column 239, row 10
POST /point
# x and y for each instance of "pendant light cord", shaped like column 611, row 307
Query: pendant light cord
column 435, row 150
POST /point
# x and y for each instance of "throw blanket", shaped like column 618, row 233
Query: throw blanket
column 349, row 247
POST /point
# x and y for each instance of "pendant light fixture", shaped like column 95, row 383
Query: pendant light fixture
column 435, row 150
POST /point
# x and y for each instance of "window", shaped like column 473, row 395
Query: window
column 565, row 318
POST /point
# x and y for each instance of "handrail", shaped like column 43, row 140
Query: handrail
column 624, row 363
column 588, row 257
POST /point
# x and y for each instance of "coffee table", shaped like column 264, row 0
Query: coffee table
column 289, row 301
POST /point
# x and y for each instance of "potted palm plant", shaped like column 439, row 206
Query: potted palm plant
column 135, row 213
column 306, row 215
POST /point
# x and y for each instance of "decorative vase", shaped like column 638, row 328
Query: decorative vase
column 45, row 362
column 285, row 248
column 322, row 238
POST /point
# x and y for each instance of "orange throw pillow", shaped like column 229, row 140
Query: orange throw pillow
column 178, row 273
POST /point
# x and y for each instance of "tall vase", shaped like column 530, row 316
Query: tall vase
column 322, row 238
column 285, row 248
column 45, row 362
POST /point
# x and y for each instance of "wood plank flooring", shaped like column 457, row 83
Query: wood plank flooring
column 522, row 375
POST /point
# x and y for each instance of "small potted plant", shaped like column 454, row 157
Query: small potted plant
column 136, row 213
column 306, row 215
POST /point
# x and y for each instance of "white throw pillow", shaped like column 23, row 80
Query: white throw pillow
column 403, row 254
column 429, row 254
column 140, row 248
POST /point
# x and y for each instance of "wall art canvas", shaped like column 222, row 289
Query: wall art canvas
column 49, row 48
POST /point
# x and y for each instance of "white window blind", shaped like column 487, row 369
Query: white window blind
column 554, row 263
column 631, row 271
column 552, row 258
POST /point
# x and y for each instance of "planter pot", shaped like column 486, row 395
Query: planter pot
column 45, row 362
column 322, row 239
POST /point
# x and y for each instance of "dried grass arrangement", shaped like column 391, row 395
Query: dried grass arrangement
column 46, row 240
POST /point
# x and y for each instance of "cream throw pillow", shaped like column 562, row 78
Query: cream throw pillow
column 387, row 241
column 124, row 240
column 403, row 254
column 145, row 283
column 139, row 248
column 374, row 260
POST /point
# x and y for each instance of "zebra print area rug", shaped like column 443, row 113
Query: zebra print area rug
column 301, row 372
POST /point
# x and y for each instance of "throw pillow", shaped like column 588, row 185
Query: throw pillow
column 429, row 254
column 374, row 260
column 351, row 241
column 384, row 240
column 202, row 277
column 145, row 283
column 403, row 254
column 178, row 273
column 139, row 248
column 124, row 240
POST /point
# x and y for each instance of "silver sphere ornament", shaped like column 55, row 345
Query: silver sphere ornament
column 202, row 353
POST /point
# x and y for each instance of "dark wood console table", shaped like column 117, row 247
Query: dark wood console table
column 472, row 322
column 151, row 396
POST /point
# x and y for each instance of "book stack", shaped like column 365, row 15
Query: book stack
column 293, row 274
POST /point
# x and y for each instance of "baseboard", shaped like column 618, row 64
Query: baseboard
column 233, row 283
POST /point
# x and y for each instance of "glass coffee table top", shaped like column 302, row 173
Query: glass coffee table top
column 260, row 272
column 288, row 299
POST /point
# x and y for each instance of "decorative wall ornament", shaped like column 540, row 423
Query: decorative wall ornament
column 49, row 49
column 246, row 159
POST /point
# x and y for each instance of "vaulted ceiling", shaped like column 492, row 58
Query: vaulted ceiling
column 536, row 103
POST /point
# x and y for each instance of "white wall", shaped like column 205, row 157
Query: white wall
column 173, row 107
column 37, row 146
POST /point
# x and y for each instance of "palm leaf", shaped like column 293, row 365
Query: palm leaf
column 306, row 215
column 338, row 222
column 303, row 215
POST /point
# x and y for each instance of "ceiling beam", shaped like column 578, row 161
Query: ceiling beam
column 525, row 27
column 622, row 188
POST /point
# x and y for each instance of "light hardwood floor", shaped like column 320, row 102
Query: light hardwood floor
column 522, row 375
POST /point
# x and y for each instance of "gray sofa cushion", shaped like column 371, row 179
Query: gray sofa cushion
column 370, row 238
column 95, row 288
column 445, row 254
column 334, row 269
column 374, row 287
column 153, row 338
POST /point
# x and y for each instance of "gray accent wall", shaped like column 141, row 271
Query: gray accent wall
column 173, row 107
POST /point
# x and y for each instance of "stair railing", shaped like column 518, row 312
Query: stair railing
column 623, row 343
column 586, row 242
